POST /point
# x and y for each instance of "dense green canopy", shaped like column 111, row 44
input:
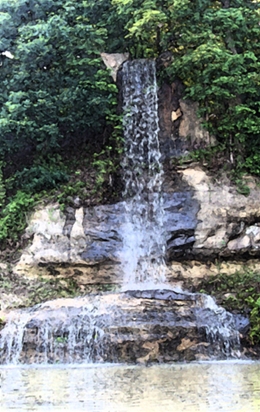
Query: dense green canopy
column 54, row 88
column 57, row 98
column 57, row 95
column 215, row 47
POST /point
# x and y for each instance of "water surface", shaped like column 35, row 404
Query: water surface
column 204, row 387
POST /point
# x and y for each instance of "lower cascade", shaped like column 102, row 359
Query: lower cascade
column 134, row 326
column 147, row 321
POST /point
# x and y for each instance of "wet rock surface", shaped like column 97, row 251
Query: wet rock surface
column 91, row 242
column 134, row 326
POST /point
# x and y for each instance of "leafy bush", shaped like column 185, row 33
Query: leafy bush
column 40, row 177
column 13, row 216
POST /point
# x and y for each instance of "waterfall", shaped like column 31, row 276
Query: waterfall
column 151, row 322
column 143, row 250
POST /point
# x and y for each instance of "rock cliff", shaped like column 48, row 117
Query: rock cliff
column 205, row 221
column 209, row 226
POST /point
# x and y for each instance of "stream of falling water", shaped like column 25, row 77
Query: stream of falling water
column 143, row 250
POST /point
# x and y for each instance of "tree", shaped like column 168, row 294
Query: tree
column 57, row 99
column 56, row 91
column 218, row 59
column 147, row 22
column 216, row 54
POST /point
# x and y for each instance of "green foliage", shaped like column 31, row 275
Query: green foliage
column 104, row 165
column 242, row 187
column 216, row 55
column 56, row 88
column 40, row 177
column 13, row 216
column 238, row 292
column 146, row 22
column 69, row 191
column 57, row 97
column 206, row 155
column 255, row 319
column 2, row 187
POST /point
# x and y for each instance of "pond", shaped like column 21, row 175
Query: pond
column 205, row 387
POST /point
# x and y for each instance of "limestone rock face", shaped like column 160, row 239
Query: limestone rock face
column 203, row 221
column 191, row 128
column 49, row 243
column 88, row 244
column 228, row 222
column 73, row 244
column 113, row 61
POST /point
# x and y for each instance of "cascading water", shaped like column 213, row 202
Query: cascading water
column 143, row 250
column 53, row 334
column 11, row 339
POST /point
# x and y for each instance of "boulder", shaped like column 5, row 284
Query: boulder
column 228, row 222
column 113, row 61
